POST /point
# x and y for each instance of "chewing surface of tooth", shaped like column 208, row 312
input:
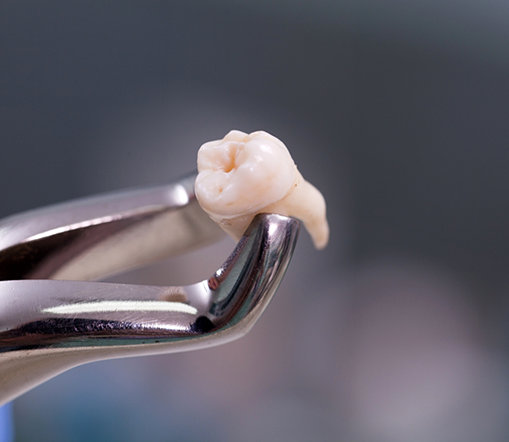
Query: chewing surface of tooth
column 246, row 174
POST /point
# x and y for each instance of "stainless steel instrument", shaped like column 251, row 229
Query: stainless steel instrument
column 53, row 319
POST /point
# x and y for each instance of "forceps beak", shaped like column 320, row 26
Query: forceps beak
column 51, row 319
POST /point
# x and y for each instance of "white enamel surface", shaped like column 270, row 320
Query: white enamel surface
column 243, row 175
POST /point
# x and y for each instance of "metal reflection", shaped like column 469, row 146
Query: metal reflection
column 121, row 306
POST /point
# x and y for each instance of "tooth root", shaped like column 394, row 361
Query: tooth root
column 236, row 226
column 305, row 202
column 276, row 174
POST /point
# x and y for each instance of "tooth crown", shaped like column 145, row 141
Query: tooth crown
column 243, row 173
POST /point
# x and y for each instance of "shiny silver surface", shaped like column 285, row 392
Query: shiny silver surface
column 48, row 326
column 94, row 237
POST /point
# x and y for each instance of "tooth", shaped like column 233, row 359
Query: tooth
column 246, row 174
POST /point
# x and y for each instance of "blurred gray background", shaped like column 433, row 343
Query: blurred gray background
column 398, row 111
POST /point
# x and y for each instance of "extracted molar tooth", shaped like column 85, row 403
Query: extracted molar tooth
column 246, row 174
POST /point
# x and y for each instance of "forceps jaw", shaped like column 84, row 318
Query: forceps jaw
column 94, row 237
column 47, row 327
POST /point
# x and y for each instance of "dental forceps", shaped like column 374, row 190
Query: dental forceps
column 53, row 317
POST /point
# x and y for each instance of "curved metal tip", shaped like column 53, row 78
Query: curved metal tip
column 47, row 327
